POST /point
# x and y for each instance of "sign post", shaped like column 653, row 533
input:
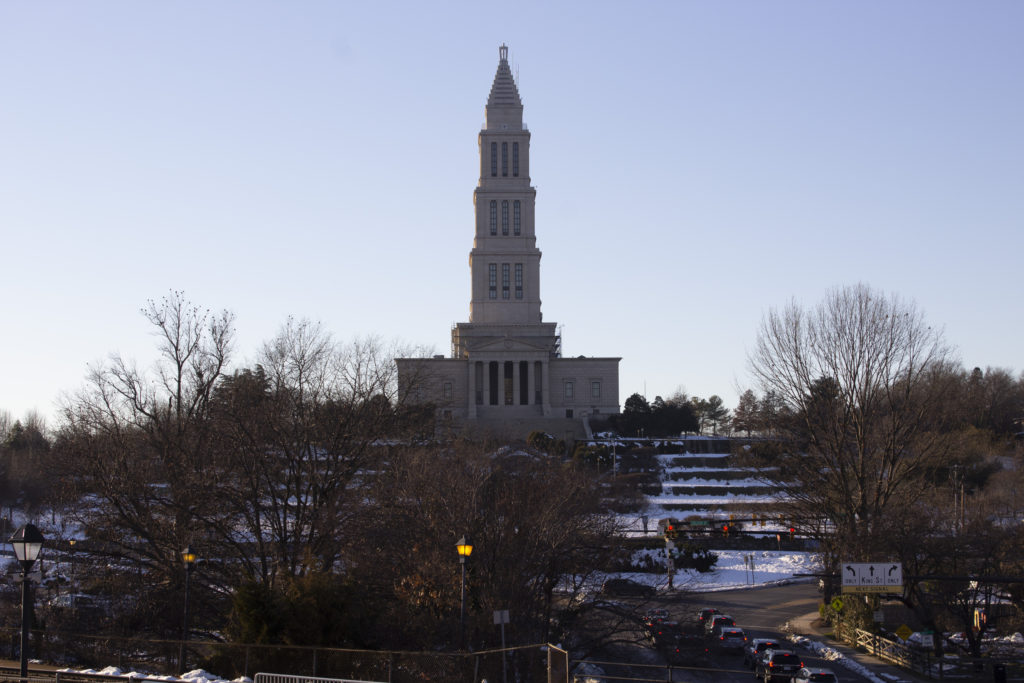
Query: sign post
column 501, row 617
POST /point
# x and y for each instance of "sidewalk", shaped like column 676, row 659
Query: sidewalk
column 811, row 626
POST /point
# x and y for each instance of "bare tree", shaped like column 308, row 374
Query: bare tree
column 140, row 444
column 295, row 433
column 862, row 381
column 536, row 524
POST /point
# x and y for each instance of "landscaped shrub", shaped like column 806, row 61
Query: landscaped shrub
column 592, row 455
column 693, row 556
column 542, row 441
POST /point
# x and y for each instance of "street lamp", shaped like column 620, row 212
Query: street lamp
column 27, row 542
column 188, row 556
column 71, row 587
column 465, row 549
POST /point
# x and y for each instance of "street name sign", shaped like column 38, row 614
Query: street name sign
column 872, row 577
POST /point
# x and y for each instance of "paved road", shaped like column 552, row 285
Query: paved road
column 769, row 608
column 761, row 612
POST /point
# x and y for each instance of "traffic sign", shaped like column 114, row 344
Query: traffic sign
column 872, row 577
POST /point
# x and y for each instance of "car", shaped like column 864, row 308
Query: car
column 82, row 603
column 815, row 675
column 730, row 639
column 703, row 615
column 777, row 665
column 688, row 650
column 627, row 587
column 663, row 633
column 755, row 646
column 653, row 616
column 718, row 620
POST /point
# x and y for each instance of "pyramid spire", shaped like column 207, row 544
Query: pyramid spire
column 503, row 104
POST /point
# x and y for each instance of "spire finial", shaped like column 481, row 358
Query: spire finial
column 503, row 52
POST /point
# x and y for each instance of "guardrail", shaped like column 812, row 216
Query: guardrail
column 925, row 663
column 889, row 650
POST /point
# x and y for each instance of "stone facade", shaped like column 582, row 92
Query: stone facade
column 506, row 372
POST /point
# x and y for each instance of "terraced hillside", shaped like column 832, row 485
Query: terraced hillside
column 694, row 476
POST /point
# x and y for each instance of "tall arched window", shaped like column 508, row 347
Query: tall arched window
column 494, row 158
column 492, row 280
column 504, row 217
column 519, row 280
column 516, row 217
column 505, row 277
column 494, row 217
column 515, row 159
column 504, row 158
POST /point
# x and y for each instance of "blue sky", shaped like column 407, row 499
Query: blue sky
column 696, row 163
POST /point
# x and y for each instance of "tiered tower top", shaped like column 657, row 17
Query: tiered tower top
column 504, row 108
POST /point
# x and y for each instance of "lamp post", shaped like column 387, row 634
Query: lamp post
column 465, row 549
column 27, row 542
column 71, row 544
column 188, row 556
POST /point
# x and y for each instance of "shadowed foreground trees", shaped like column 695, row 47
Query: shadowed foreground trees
column 140, row 443
column 257, row 471
column 534, row 521
column 293, row 436
column 295, row 483
column 536, row 524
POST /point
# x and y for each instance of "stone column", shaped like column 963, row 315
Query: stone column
column 546, row 388
column 529, row 374
column 515, row 383
column 471, row 384
column 486, row 366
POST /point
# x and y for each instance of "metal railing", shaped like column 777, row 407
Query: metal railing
column 585, row 671
column 284, row 678
column 925, row 663
column 231, row 660
column 10, row 673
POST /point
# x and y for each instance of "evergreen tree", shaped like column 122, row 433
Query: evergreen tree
column 745, row 416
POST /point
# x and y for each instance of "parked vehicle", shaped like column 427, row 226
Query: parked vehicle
column 82, row 603
column 754, row 647
column 815, row 675
column 777, row 665
column 730, row 639
column 627, row 587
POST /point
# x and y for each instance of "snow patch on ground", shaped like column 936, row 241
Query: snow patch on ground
column 834, row 656
column 732, row 570
column 194, row 676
